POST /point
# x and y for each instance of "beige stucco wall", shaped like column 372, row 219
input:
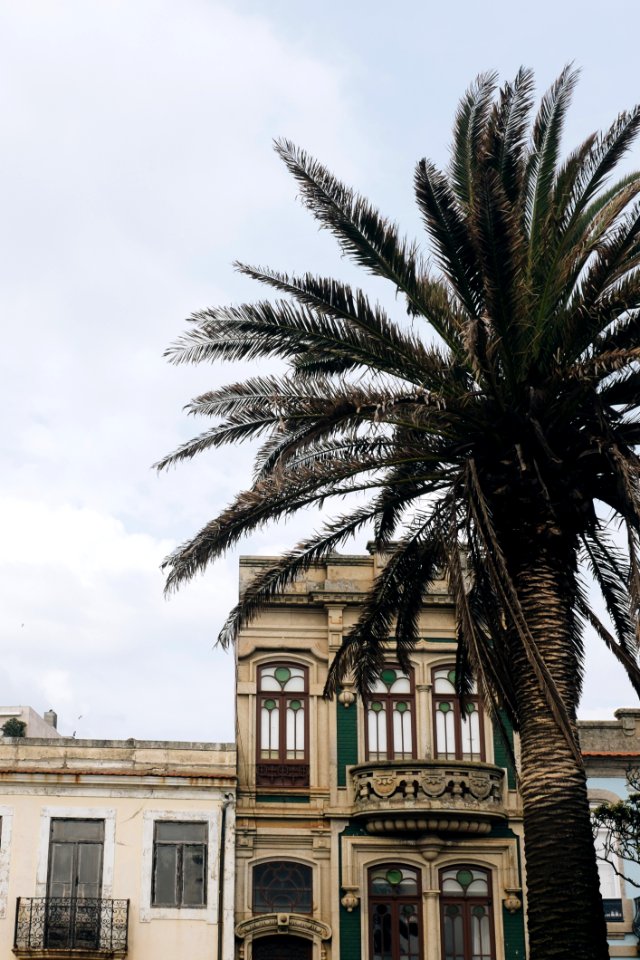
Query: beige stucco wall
column 128, row 784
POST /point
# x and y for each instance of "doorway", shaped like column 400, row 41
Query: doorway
column 282, row 947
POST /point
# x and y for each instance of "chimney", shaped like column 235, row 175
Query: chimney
column 51, row 717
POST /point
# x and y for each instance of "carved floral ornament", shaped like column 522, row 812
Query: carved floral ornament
column 294, row 923
column 434, row 780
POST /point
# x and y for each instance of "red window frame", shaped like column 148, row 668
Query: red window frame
column 389, row 699
column 438, row 698
column 466, row 905
column 395, row 903
column 282, row 771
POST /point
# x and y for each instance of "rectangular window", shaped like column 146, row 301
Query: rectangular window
column 390, row 713
column 179, row 864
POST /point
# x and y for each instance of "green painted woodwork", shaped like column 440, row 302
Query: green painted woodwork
column 501, row 752
column 350, row 934
column 513, row 927
column 347, row 725
column 282, row 798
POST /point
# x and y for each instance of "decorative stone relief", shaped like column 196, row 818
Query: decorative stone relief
column 350, row 900
column 512, row 901
column 455, row 795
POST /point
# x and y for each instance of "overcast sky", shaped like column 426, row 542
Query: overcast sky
column 136, row 166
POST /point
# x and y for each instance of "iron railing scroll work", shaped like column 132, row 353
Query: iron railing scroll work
column 94, row 926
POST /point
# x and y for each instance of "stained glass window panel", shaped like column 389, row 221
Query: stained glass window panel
column 282, row 886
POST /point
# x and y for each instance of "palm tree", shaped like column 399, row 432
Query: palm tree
column 501, row 445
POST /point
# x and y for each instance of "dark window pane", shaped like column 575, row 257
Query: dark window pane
column 193, row 876
column 77, row 830
column 89, row 870
column 165, row 875
column 282, row 886
column 61, row 872
column 169, row 831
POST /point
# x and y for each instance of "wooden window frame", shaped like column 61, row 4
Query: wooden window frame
column 466, row 903
column 389, row 699
column 396, row 903
column 180, row 844
column 457, row 718
column 282, row 772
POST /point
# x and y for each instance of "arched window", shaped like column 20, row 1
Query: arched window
column 456, row 737
column 282, row 886
column 283, row 737
column 390, row 727
column 466, row 917
column 395, row 927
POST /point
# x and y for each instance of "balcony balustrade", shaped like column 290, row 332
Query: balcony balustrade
column 428, row 796
column 50, row 926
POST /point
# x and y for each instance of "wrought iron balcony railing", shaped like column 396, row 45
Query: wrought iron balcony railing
column 613, row 910
column 428, row 796
column 92, row 926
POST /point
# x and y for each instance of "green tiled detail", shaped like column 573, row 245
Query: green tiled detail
column 513, row 926
column 282, row 798
column 350, row 938
column 347, row 740
column 502, row 830
column 500, row 751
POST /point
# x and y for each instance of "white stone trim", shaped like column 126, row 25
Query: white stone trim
column 108, row 814
column 210, row 911
column 6, row 814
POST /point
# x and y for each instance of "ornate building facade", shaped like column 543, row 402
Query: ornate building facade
column 380, row 830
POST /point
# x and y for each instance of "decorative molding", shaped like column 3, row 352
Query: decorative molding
column 6, row 815
column 513, row 902
column 428, row 796
column 351, row 898
column 295, row 923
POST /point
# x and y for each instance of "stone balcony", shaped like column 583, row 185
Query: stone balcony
column 428, row 796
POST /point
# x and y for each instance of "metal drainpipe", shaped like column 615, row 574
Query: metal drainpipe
column 227, row 800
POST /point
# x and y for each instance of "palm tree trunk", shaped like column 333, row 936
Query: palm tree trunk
column 565, row 914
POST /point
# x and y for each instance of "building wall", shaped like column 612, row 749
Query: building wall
column 36, row 726
column 610, row 748
column 321, row 825
column 129, row 785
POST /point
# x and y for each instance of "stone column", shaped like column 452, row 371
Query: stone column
column 431, row 917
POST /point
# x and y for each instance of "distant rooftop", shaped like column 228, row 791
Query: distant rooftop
column 35, row 726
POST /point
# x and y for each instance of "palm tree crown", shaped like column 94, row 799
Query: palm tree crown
column 520, row 420
column 502, row 453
